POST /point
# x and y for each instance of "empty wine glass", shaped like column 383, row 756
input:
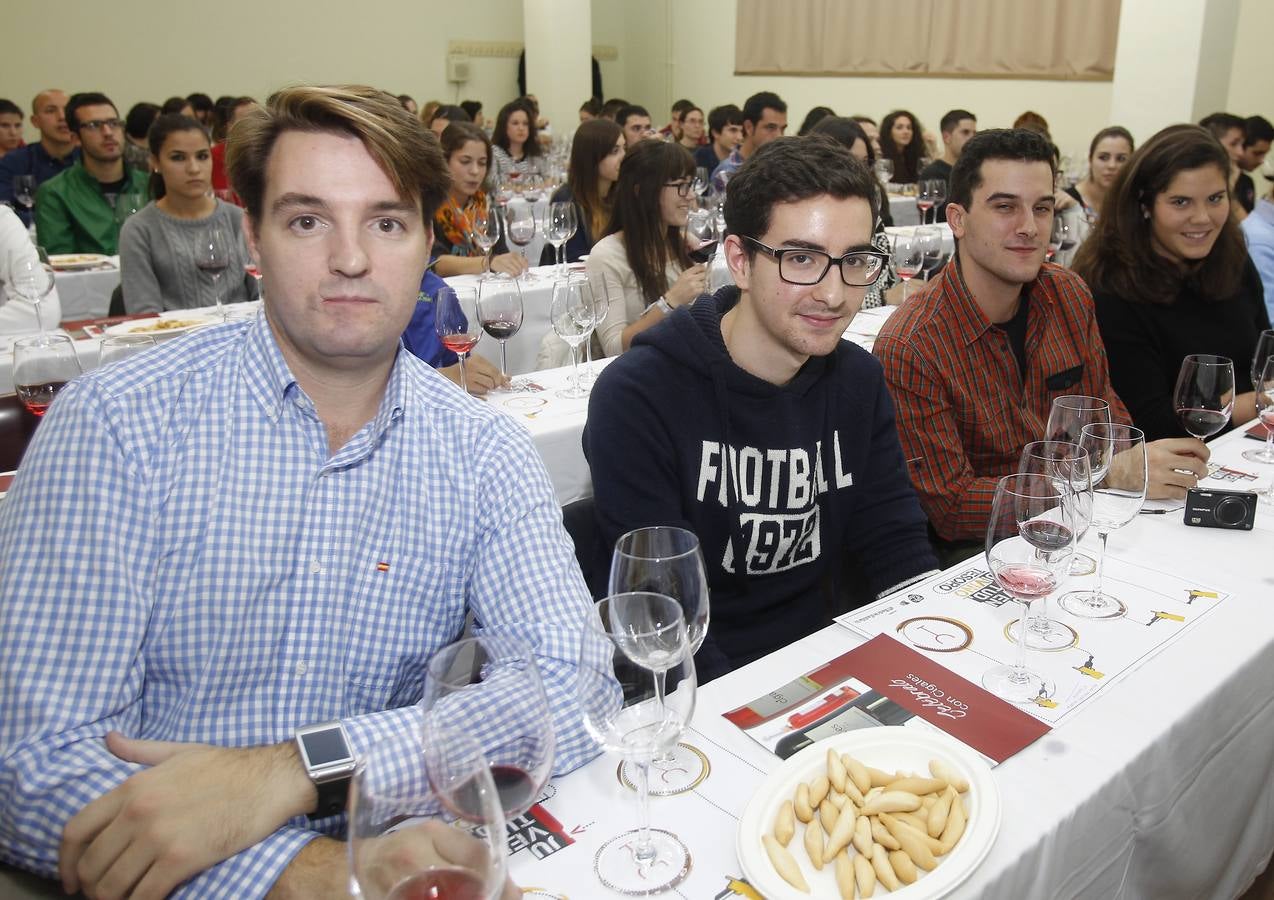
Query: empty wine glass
column 121, row 346
column 500, row 308
column 126, row 204
column 1069, row 415
column 1055, row 236
column 486, row 231
column 457, row 323
column 1117, row 458
column 31, row 278
column 636, row 688
column 667, row 560
column 938, row 192
column 884, row 169
column 425, row 820
column 562, row 224
column 1264, row 350
column 1204, row 396
column 494, row 679
column 574, row 315
column 1029, row 542
column 24, row 190
column 42, row 366
column 1263, row 386
column 212, row 256
column 929, row 237
column 908, row 257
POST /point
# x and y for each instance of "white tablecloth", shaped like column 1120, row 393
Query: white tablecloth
column 87, row 294
column 904, row 210
column 1162, row 789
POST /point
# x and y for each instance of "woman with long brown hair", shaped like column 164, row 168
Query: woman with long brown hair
column 1110, row 149
column 596, row 154
column 641, row 266
column 902, row 142
column 1171, row 276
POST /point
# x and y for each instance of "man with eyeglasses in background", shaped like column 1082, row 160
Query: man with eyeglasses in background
column 75, row 211
column 745, row 417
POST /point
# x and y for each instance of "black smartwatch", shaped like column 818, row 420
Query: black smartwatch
column 329, row 762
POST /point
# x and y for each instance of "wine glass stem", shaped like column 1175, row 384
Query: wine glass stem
column 575, row 364
column 645, row 850
column 1101, row 563
column 504, row 368
column 39, row 319
column 1269, row 439
column 1019, row 666
column 464, row 385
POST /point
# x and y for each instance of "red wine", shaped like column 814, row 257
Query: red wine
column 500, row 329
column 516, row 788
column 905, row 272
column 37, row 397
column 1026, row 582
column 1044, row 535
column 459, row 343
column 440, row 884
column 704, row 253
column 214, row 268
column 1202, row 423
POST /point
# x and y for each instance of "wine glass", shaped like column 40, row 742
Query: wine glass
column 212, row 256
column 1264, row 388
column 574, row 315
column 908, row 258
column 500, row 309
column 701, row 227
column 1065, row 232
column 1029, row 542
column 24, row 190
column 930, row 239
column 493, row 678
column 884, row 169
column 457, row 322
column 486, row 231
column 938, row 192
column 1204, row 396
column 1264, row 350
column 42, row 365
column 1069, row 467
column 636, row 687
column 519, row 227
column 562, row 225
column 701, row 182
column 1069, row 415
column 126, row 204
column 121, row 346
column 425, row 820
column 31, row 278
column 1055, row 236
column 1117, row 458
column 663, row 559
column 924, row 200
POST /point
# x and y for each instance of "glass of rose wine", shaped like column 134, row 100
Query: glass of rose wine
column 1029, row 541
column 42, row 366
column 909, row 258
column 924, row 200
column 494, row 679
column 457, row 322
column 425, row 821
column 1204, row 395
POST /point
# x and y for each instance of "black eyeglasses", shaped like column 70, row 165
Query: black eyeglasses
column 98, row 124
column 683, row 187
column 800, row 265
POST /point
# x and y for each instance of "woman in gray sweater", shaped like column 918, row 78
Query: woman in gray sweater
column 157, row 245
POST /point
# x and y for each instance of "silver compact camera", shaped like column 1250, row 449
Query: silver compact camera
column 1220, row 509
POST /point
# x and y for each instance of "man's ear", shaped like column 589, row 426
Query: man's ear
column 956, row 219
column 736, row 257
column 250, row 236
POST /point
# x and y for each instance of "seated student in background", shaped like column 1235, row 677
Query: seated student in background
column 725, row 130
column 158, row 244
column 1258, row 230
column 1108, row 152
column 10, row 127
column 17, row 315
column 136, row 126
column 689, row 129
column 596, row 153
column 764, row 120
column 1258, row 133
column 976, row 357
column 1171, row 276
column 746, row 419
column 956, row 127
column 902, row 142
column 226, row 112
column 444, row 115
column 75, row 211
column 51, row 155
column 468, row 153
column 422, row 341
column 515, row 143
column 641, row 266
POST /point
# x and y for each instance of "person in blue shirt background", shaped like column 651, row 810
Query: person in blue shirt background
column 421, row 339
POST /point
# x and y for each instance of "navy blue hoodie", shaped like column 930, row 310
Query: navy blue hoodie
column 782, row 484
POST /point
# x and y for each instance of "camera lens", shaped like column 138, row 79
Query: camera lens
column 1230, row 511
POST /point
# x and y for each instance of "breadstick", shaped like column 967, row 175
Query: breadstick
column 884, row 870
column 785, row 824
column 784, row 863
column 865, row 876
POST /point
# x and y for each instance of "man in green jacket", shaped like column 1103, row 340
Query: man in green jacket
column 75, row 211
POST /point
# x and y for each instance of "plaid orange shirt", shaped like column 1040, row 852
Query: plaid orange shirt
column 962, row 406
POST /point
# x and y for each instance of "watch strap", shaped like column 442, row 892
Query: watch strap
column 332, row 796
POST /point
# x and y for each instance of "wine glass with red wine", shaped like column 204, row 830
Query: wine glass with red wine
column 425, row 821
column 212, row 257
column 42, row 366
column 1204, row 396
column 1029, row 542
column 494, row 679
column 500, row 307
column 457, row 322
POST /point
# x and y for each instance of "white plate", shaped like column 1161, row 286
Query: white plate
column 70, row 262
column 889, row 748
column 149, row 326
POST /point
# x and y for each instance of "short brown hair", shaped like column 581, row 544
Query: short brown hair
column 401, row 146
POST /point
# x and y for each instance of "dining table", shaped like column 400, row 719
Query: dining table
column 85, row 292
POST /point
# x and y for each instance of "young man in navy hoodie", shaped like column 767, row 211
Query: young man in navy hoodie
column 748, row 420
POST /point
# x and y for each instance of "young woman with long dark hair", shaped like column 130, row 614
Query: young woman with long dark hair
column 596, row 154
column 1110, row 149
column 1171, row 276
column 902, row 142
column 516, row 142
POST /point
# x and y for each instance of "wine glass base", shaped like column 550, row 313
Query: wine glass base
column 1090, row 605
column 1259, row 456
column 1022, row 686
column 683, row 769
column 1044, row 634
column 619, row 869
column 1083, row 564
column 574, row 392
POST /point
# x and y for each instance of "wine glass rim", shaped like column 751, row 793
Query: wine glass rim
column 1118, row 431
column 675, row 530
column 43, row 340
column 1008, row 484
column 1077, row 452
column 510, row 646
column 1076, row 401
column 1207, row 359
column 677, row 618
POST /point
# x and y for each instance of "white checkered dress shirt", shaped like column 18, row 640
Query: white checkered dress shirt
column 181, row 559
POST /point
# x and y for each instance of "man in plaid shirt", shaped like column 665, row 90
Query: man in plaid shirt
column 975, row 360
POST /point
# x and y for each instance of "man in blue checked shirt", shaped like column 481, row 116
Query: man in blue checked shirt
column 263, row 527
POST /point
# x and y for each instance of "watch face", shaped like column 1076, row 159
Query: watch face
column 325, row 747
